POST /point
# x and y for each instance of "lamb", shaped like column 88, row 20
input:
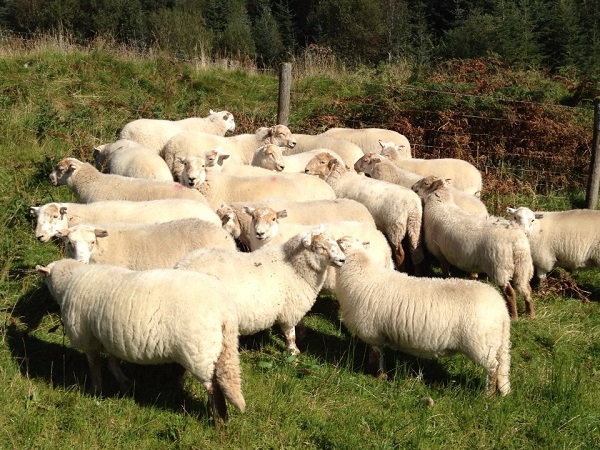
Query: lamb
column 277, row 284
column 368, row 138
column 154, row 134
column 143, row 246
column 465, row 177
column 566, row 239
column 267, row 229
column 89, row 185
column 424, row 317
column 381, row 168
column 240, row 148
column 348, row 151
column 130, row 159
column 223, row 187
column 397, row 211
column 271, row 157
column 53, row 217
column 476, row 245
column 151, row 317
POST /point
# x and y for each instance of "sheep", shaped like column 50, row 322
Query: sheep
column 53, row 217
column 348, row 151
column 267, row 229
column 379, row 167
column 151, row 317
column 368, row 138
column 272, row 157
column 277, row 284
column 142, row 246
column 566, row 239
column 223, row 187
column 89, row 185
column 424, row 317
column 397, row 211
column 240, row 148
column 154, row 134
column 130, row 159
column 465, row 177
column 309, row 212
column 474, row 244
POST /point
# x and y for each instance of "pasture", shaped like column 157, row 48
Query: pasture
column 56, row 103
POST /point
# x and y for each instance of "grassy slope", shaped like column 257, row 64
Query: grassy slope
column 54, row 104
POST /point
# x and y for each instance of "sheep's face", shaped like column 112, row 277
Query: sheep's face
column 194, row 171
column 81, row 241
column 229, row 220
column 282, row 136
column 366, row 163
column 524, row 218
column 214, row 159
column 226, row 117
column 63, row 170
column 349, row 244
column 271, row 157
column 321, row 165
column 51, row 218
column 426, row 186
column 325, row 246
column 265, row 221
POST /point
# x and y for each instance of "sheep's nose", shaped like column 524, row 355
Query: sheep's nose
column 40, row 237
column 280, row 168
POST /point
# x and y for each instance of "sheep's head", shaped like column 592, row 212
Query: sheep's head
column 269, row 156
column 63, row 170
column 428, row 185
column 265, row 221
column 279, row 135
column 350, row 243
column 524, row 217
column 367, row 162
column 51, row 218
column 325, row 246
column 322, row 164
column 81, row 241
column 229, row 220
column 224, row 116
column 215, row 158
column 194, row 171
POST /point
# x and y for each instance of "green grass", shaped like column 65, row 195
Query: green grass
column 54, row 104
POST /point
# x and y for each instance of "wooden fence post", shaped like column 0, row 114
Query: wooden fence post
column 285, row 81
column 594, row 174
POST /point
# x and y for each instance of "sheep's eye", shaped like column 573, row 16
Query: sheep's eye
column 274, row 219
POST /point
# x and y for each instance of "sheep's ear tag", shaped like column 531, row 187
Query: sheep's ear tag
column 43, row 270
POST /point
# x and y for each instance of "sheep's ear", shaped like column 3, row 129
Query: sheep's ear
column 63, row 233
column 381, row 143
column 100, row 233
column 510, row 210
column 72, row 167
column 539, row 215
column 307, row 239
column 63, row 211
column 281, row 214
column 332, row 163
column 34, row 210
column 223, row 158
column 44, row 270
column 437, row 184
column 210, row 111
column 248, row 210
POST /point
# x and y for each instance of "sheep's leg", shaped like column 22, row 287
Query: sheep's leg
column 290, row 338
column 399, row 257
column 376, row 359
column 216, row 402
column 445, row 266
column 528, row 302
column 124, row 383
column 511, row 301
column 95, row 365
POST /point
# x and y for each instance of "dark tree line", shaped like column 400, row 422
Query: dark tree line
column 562, row 36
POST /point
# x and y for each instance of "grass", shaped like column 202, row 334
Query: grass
column 55, row 104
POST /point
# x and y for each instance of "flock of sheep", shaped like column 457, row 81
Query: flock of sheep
column 182, row 239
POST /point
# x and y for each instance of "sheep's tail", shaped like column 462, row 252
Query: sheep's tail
column 227, row 370
column 523, row 271
column 503, row 357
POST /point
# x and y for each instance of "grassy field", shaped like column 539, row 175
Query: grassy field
column 56, row 103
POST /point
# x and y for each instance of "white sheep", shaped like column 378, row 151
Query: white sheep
column 397, row 211
column 151, row 317
column 130, row 159
column 154, row 133
column 267, row 228
column 222, row 187
column 379, row 167
column 53, row 217
column 277, row 284
column 368, row 138
column 143, row 246
column 475, row 244
column 424, row 317
column 89, row 185
column 240, row 148
column 464, row 175
column 272, row 157
column 347, row 151
column 566, row 239
column 309, row 212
